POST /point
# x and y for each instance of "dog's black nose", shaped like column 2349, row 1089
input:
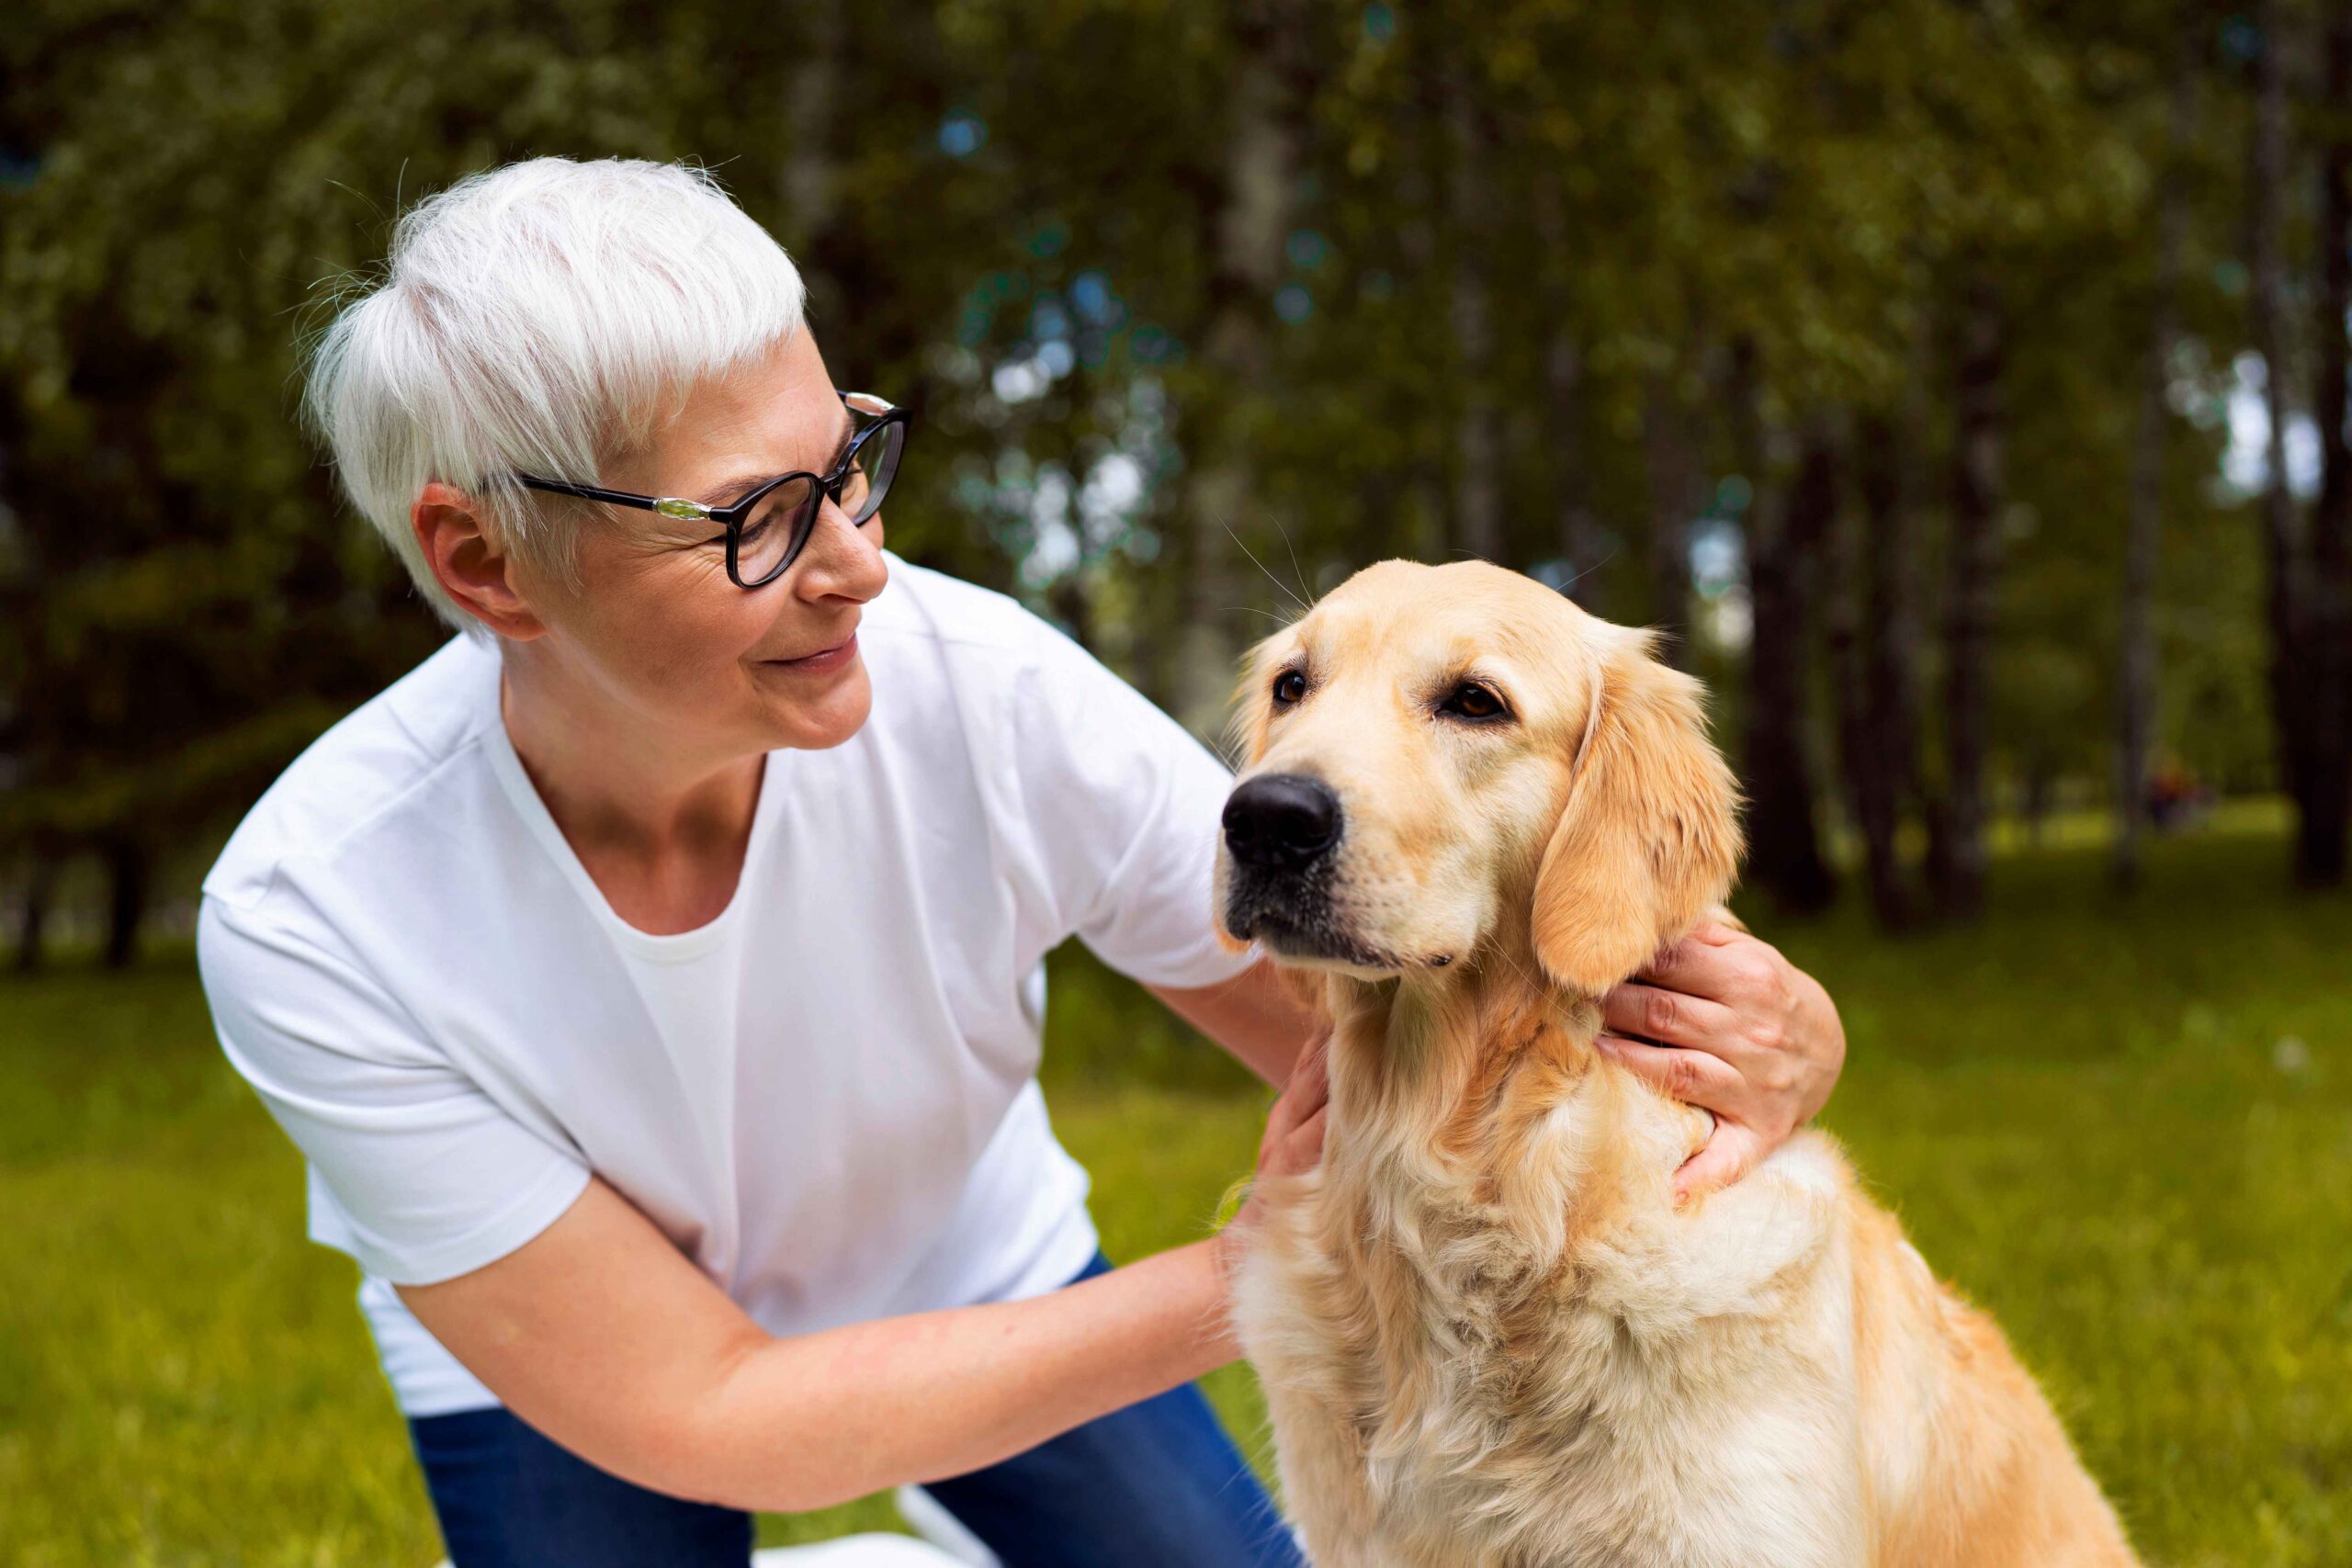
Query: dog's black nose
column 1281, row 821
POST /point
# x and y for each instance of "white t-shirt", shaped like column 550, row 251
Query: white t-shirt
column 826, row 1097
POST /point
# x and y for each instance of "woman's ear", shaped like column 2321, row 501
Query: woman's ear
column 474, row 572
column 1650, row 835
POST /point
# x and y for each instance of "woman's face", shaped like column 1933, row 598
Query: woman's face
column 656, row 624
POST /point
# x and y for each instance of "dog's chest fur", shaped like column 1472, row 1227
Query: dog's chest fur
column 1498, row 1343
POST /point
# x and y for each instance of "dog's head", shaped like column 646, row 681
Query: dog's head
column 1441, row 761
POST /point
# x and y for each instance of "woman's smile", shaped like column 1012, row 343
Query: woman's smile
column 824, row 661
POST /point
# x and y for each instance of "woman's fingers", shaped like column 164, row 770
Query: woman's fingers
column 1731, row 1154
column 1301, row 1150
column 1310, row 1088
column 1717, row 963
column 1744, row 1033
column 1294, row 1139
column 1670, row 1016
column 1698, row 1078
column 1311, row 1078
column 1694, row 1076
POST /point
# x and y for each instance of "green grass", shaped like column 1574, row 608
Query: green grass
column 2126, row 1128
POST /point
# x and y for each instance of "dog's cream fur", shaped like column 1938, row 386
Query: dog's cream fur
column 1487, row 1334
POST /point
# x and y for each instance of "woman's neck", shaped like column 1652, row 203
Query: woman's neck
column 661, row 831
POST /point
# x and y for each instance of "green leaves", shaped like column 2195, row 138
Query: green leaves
column 1015, row 215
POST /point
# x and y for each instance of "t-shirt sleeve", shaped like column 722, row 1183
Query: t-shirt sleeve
column 434, row 1178
column 1122, row 805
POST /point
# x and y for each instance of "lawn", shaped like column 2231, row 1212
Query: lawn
column 2125, row 1127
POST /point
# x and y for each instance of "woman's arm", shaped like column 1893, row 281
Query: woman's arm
column 602, row 1335
column 1262, row 1019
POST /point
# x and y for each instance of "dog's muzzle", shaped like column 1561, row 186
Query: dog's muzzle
column 1280, row 833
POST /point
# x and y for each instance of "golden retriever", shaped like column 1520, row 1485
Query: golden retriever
column 1487, row 1334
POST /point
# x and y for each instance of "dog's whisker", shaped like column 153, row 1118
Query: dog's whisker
column 1296, row 570
column 1577, row 576
column 1303, row 605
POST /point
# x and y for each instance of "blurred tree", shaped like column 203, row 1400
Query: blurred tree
column 1785, row 540
column 1902, row 332
column 2326, row 815
column 1875, row 641
column 1979, row 497
column 1250, row 222
column 2289, row 591
column 2136, row 654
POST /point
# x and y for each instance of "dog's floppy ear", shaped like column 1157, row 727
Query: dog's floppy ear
column 1650, row 835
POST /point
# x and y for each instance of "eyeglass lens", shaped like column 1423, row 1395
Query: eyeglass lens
column 874, row 464
column 780, row 525
column 773, row 532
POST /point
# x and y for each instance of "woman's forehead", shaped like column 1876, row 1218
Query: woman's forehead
column 767, row 416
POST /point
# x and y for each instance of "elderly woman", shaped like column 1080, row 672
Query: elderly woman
column 652, row 978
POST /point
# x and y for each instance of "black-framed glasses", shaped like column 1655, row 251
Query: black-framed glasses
column 768, row 529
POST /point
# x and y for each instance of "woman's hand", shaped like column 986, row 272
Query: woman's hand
column 1293, row 1143
column 1722, row 1022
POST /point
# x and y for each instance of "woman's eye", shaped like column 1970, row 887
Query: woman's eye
column 1471, row 700
column 1289, row 686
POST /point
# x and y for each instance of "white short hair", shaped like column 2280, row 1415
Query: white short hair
column 540, row 316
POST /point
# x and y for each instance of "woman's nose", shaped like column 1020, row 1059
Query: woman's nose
column 842, row 560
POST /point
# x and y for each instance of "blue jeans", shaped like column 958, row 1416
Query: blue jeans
column 1155, row 1486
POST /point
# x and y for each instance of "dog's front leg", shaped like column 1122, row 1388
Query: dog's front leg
column 1319, row 1459
column 1290, row 1303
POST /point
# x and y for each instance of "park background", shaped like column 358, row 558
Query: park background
column 1962, row 382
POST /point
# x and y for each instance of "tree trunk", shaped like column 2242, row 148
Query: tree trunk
column 1971, row 599
column 2136, row 669
column 1674, row 483
column 2320, row 841
column 2285, row 592
column 813, row 113
column 32, row 921
column 1576, row 532
column 1841, row 640
column 1247, row 233
column 2040, row 787
column 1478, row 444
column 1880, row 694
column 1878, row 734
column 128, row 865
column 1784, row 543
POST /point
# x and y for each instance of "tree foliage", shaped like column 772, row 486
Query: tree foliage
column 1201, row 306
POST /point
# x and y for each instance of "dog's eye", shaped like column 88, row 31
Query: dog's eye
column 1289, row 686
column 1470, row 700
